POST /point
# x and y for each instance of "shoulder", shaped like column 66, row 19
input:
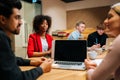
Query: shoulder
column 115, row 48
column 74, row 32
column 117, row 39
column 4, row 39
column 49, row 36
column 92, row 34
column 105, row 35
column 3, row 35
column 33, row 35
column 116, row 43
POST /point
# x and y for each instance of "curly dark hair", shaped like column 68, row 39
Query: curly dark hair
column 38, row 20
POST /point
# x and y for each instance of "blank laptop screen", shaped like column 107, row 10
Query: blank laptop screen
column 70, row 50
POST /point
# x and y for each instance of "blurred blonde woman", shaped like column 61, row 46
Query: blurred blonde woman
column 111, row 62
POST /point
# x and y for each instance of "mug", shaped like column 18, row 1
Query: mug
column 92, row 54
column 99, row 51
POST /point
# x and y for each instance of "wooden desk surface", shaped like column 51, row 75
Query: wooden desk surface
column 101, row 56
column 59, row 74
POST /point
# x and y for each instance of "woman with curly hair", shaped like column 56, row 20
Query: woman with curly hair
column 40, row 42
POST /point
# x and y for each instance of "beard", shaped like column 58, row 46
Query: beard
column 16, row 32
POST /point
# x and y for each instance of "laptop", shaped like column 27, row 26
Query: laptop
column 69, row 54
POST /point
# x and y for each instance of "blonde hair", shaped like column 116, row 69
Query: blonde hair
column 116, row 8
column 80, row 22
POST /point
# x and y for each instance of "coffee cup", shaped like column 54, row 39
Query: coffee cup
column 92, row 54
column 99, row 50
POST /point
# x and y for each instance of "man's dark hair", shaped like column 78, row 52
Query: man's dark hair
column 38, row 20
column 6, row 7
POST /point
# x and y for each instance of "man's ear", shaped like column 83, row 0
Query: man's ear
column 77, row 27
column 2, row 19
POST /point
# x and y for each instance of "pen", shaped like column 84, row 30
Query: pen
column 96, row 41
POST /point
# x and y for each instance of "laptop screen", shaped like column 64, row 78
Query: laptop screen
column 70, row 50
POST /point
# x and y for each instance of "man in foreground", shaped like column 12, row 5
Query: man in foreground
column 10, row 22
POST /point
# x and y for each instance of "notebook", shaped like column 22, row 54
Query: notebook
column 97, row 61
column 69, row 54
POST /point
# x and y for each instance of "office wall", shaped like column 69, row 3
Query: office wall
column 89, row 4
column 91, row 16
column 91, row 11
column 65, row 15
column 57, row 10
column 28, row 11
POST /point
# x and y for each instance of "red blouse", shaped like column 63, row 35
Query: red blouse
column 35, row 44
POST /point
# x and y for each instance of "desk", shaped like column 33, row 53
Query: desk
column 101, row 56
column 59, row 74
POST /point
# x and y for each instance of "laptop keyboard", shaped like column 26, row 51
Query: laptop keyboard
column 68, row 63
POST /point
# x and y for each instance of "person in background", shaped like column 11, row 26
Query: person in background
column 98, row 38
column 76, row 35
column 40, row 42
column 10, row 22
column 110, row 63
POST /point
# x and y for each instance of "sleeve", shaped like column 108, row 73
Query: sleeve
column 22, row 62
column 71, row 37
column 103, row 40
column 8, row 65
column 30, row 47
column 90, row 40
column 6, row 54
column 32, row 74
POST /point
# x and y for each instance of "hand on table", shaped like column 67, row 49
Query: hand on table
column 89, row 64
column 37, row 61
column 95, row 46
column 48, row 52
column 46, row 65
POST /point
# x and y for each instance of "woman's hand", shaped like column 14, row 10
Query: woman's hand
column 89, row 64
column 48, row 52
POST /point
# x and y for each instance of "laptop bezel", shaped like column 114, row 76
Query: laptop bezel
column 53, row 48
